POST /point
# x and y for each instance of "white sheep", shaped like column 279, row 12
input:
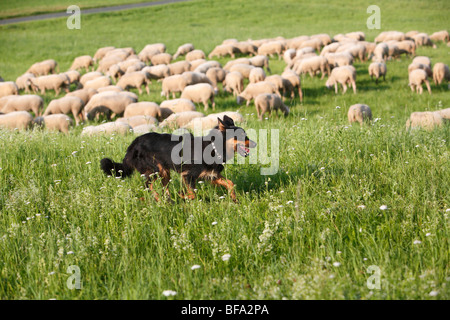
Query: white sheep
column 8, row 88
column 109, row 102
column 440, row 36
column 135, row 79
column 43, row 68
column 425, row 67
column 231, row 63
column 199, row 93
column 16, row 120
column 244, row 69
column 54, row 82
column 295, row 81
column 194, row 64
column 66, row 105
column 255, row 89
column 223, row 50
column 98, row 83
column 107, row 128
column 246, row 48
column 157, row 72
column 195, row 55
column 422, row 60
column 441, row 72
column 82, row 62
column 359, row 113
column 178, row 68
column 422, row 39
column 201, row 124
column 193, row 77
column 271, row 48
column 268, row 102
column 138, row 120
column 144, row 128
column 216, row 75
column 203, row 68
column 381, row 52
column 173, row 84
column 54, row 122
column 161, row 58
column 234, row 82
column 183, row 50
column 143, row 108
column 256, row 75
column 313, row 65
column 377, row 70
column 178, row 120
column 89, row 76
column 27, row 102
column 178, row 105
column 444, row 113
column 100, row 53
column 416, row 78
column 343, row 75
column 23, row 83
column 426, row 120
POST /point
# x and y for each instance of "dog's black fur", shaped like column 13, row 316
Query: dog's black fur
column 154, row 153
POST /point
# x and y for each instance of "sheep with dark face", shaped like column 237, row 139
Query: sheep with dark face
column 359, row 113
column 54, row 82
column 135, row 79
column 268, row 102
column 9, row 88
column 65, row 105
column 54, row 122
column 416, row 78
column 27, row 102
column 183, row 50
column 345, row 75
column 441, row 72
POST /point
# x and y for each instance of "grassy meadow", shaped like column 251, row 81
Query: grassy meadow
column 310, row 231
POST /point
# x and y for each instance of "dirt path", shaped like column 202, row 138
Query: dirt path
column 87, row 11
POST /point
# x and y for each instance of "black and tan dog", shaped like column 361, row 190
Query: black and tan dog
column 194, row 157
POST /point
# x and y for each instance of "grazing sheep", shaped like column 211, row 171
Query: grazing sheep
column 440, row 36
column 422, row 60
column 295, row 43
column 415, row 66
column 161, row 47
column 325, row 38
column 173, row 84
column 230, row 41
column 195, row 77
column 82, row 62
column 444, row 113
column 116, row 102
column 381, row 52
column 288, row 55
column 22, row 82
column 272, row 48
column 178, row 105
column 343, row 75
column 255, row 89
column 178, row 68
column 16, row 120
column 315, row 43
column 90, row 76
column 27, row 102
column 101, row 53
column 268, row 102
column 198, row 125
column 245, row 47
column 295, row 81
column 394, row 51
column 411, row 34
column 135, row 79
column 195, row 55
column 203, row 68
column 161, row 58
column 110, row 88
column 54, row 82
column 157, row 72
column 416, row 78
column 440, row 72
column 231, row 63
column 183, row 50
column 108, row 62
column 144, row 108
column 390, row 35
column 201, row 92
column 377, row 70
column 165, row 113
column 178, row 120
column 74, row 76
column 313, row 65
column 339, row 59
column 194, row 64
column 426, row 120
column 244, row 69
column 358, row 35
column 98, row 83
column 422, row 39
column 83, row 94
column 406, row 47
column 234, row 82
column 43, row 68
column 330, row 48
column 144, row 128
column 138, row 120
column 107, row 128
column 216, row 75
column 9, row 88
column 359, row 113
column 256, row 75
column 54, row 122
column 65, row 105
column 223, row 50
column 281, row 84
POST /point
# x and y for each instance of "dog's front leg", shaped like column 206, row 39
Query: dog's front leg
column 221, row 181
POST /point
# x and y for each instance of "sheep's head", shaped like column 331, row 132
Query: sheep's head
column 239, row 100
column 330, row 83
column 31, row 84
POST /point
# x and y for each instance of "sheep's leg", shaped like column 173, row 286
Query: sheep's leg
column 335, row 88
column 248, row 103
column 354, row 87
column 205, row 103
column 300, row 93
column 344, row 88
column 427, row 83
column 75, row 116
column 173, row 95
column 147, row 88
column 213, row 103
column 140, row 89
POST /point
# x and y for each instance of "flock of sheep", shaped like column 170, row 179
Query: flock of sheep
column 197, row 80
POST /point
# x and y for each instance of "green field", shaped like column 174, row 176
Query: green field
column 22, row 8
column 298, row 234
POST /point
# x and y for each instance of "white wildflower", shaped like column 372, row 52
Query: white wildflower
column 226, row 257
column 195, row 266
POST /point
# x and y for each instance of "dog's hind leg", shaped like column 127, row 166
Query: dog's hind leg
column 189, row 182
column 228, row 184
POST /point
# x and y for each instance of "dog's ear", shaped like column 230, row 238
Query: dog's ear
column 228, row 121
column 222, row 126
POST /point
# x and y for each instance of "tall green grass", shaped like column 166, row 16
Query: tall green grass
column 299, row 234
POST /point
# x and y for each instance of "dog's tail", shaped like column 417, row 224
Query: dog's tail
column 115, row 169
